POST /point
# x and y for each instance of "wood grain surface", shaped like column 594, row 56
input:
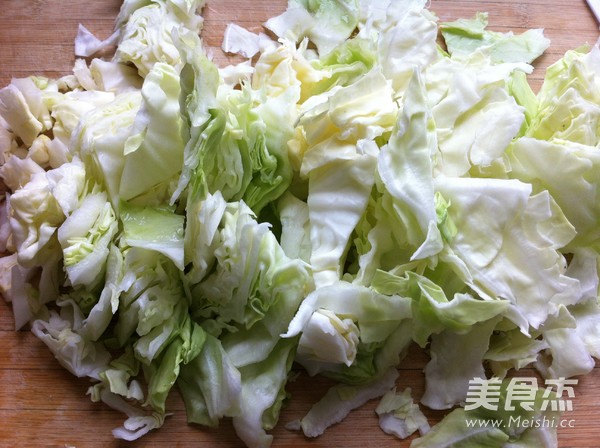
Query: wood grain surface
column 41, row 405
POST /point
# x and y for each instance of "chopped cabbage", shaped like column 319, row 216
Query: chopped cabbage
column 348, row 190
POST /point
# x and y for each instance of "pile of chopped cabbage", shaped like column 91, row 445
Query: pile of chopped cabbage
column 352, row 188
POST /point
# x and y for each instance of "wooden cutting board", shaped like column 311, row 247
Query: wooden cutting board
column 41, row 405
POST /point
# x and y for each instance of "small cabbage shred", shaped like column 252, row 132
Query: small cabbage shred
column 365, row 179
